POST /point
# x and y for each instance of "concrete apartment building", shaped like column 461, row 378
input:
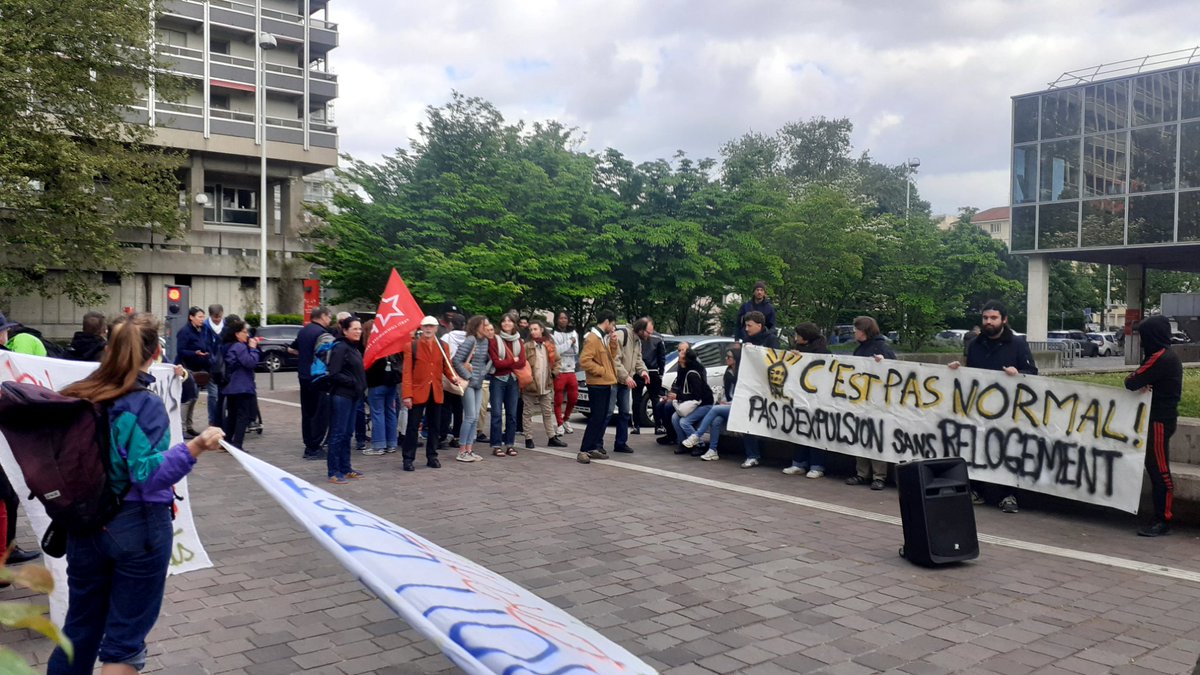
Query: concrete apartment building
column 214, row 45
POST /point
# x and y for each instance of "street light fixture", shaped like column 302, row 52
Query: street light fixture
column 911, row 165
column 266, row 41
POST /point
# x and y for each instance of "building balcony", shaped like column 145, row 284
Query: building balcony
column 323, row 35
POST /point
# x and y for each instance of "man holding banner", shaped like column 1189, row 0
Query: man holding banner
column 1162, row 372
column 998, row 348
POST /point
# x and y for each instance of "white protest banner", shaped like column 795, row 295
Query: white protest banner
column 188, row 554
column 1054, row 436
column 483, row 622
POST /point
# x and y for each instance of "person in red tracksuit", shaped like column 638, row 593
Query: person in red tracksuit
column 1161, row 372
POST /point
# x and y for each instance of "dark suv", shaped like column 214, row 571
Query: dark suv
column 1086, row 346
column 273, row 342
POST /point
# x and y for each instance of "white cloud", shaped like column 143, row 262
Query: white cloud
column 921, row 78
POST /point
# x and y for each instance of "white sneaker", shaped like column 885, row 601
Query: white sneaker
column 371, row 452
column 710, row 456
column 558, row 430
column 749, row 463
column 793, row 470
column 691, row 441
column 815, row 473
column 464, row 457
column 476, row 457
column 568, row 428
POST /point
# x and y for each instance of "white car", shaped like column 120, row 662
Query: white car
column 1107, row 342
column 710, row 349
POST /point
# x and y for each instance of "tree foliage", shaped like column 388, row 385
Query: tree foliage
column 73, row 171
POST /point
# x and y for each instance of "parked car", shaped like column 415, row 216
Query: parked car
column 1180, row 338
column 1085, row 345
column 273, row 342
column 710, row 349
column 1107, row 343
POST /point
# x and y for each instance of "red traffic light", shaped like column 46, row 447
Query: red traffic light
column 174, row 294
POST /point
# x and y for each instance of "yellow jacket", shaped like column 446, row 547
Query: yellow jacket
column 598, row 363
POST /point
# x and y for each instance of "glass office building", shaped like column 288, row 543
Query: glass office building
column 1109, row 170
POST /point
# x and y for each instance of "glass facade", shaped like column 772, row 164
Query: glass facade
column 1108, row 164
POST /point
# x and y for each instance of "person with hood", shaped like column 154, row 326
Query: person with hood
column 690, row 396
column 870, row 343
column 88, row 344
column 347, row 386
column 998, row 348
column 1162, row 373
column 807, row 460
column 241, row 358
column 716, row 417
column 757, row 303
column 543, row 364
column 452, row 408
column 566, row 384
column 473, row 365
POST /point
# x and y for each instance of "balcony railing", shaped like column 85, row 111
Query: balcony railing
column 181, row 108
column 234, row 115
column 182, row 52
column 231, row 60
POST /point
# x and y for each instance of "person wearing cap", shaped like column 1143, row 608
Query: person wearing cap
column 759, row 302
column 424, row 366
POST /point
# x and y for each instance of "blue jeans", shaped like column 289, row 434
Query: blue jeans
column 808, row 457
column 383, row 416
column 472, row 398
column 505, row 393
column 342, row 414
column 686, row 426
column 750, row 443
column 599, row 398
column 714, row 422
column 214, row 404
column 115, row 579
column 622, row 408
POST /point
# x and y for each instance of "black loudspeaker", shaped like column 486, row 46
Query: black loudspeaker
column 936, row 511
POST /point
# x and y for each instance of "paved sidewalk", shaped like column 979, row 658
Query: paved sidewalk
column 692, row 578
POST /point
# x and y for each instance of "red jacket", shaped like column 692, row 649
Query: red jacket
column 505, row 366
column 426, row 376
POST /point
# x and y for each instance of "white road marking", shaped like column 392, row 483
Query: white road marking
column 1072, row 554
column 1034, row 547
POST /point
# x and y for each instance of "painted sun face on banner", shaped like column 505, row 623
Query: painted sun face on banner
column 777, row 370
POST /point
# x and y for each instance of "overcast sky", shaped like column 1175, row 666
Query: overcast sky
column 919, row 78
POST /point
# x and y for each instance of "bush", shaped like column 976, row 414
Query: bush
column 277, row 319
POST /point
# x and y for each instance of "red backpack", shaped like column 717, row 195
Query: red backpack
column 62, row 445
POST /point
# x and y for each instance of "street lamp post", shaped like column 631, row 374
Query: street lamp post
column 266, row 41
column 910, row 165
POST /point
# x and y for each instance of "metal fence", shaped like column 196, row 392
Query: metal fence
column 1067, row 351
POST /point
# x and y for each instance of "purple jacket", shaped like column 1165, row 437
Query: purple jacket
column 240, row 362
column 142, row 455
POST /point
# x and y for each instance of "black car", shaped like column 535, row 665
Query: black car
column 1085, row 344
column 273, row 342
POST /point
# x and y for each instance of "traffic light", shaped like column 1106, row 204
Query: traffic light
column 175, row 317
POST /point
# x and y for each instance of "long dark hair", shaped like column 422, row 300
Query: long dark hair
column 131, row 344
column 233, row 325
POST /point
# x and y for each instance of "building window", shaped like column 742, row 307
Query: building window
column 248, row 283
column 175, row 38
column 183, row 280
column 995, row 228
column 219, row 46
column 218, row 101
column 236, row 205
column 110, row 278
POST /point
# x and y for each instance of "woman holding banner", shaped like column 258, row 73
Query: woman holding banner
column 872, row 344
column 116, row 576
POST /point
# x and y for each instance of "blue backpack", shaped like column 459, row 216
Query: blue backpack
column 319, row 371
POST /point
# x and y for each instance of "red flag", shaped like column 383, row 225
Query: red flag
column 396, row 319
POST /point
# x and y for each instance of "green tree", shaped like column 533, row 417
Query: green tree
column 73, row 170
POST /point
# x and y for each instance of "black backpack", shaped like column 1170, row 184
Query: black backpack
column 62, row 445
column 53, row 349
column 219, row 373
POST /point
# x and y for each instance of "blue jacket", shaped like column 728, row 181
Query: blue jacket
column 768, row 312
column 188, row 341
column 240, row 362
column 140, row 446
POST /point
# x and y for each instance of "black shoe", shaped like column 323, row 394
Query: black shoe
column 698, row 451
column 635, row 430
column 1159, row 528
column 20, row 555
column 529, row 443
column 556, row 442
column 877, row 484
column 857, row 480
column 434, row 463
column 313, row 456
column 623, row 448
column 680, row 450
column 454, row 444
column 481, row 438
column 665, row 440
column 658, row 431
column 408, row 466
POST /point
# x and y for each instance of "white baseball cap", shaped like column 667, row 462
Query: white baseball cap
column 429, row 321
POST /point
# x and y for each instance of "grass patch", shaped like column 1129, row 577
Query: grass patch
column 1189, row 405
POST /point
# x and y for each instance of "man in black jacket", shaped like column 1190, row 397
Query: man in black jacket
column 88, row 344
column 1162, row 373
column 998, row 348
column 758, row 303
column 314, row 400
column 654, row 356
